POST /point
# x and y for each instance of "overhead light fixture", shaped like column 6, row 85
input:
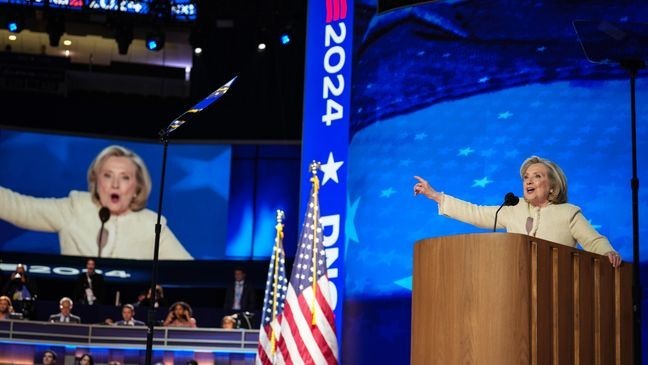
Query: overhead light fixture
column 67, row 42
column 124, row 37
column 262, row 39
column 55, row 29
column 14, row 23
column 12, row 37
column 197, row 38
column 155, row 40
column 285, row 38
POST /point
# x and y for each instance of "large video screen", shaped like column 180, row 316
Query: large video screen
column 45, row 166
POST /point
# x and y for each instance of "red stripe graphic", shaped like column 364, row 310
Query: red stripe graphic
column 329, row 11
column 336, row 10
column 343, row 9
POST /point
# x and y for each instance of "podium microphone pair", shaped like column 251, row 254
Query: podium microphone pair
column 509, row 200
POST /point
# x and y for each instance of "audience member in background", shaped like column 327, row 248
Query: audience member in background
column 65, row 316
column 114, row 363
column 240, row 296
column 160, row 301
column 140, row 298
column 89, row 287
column 192, row 362
column 22, row 290
column 86, row 359
column 49, row 357
column 180, row 316
column 5, row 307
column 128, row 317
column 20, row 286
column 228, row 323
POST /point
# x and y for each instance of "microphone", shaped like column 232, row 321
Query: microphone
column 509, row 200
column 104, row 215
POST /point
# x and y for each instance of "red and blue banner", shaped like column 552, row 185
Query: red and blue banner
column 325, row 139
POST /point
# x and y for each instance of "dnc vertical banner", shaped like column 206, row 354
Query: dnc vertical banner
column 327, row 88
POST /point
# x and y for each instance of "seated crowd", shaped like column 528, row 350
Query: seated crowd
column 49, row 357
column 20, row 291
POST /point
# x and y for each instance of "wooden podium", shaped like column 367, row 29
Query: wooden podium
column 502, row 298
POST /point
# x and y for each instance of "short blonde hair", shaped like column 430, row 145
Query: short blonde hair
column 557, row 178
column 9, row 305
column 142, row 177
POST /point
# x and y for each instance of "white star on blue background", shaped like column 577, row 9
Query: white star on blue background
column 330, row 169
column 481, row 182
column 387, row 192
column 465, row 151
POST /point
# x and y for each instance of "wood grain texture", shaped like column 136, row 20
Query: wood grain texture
column 499, row 298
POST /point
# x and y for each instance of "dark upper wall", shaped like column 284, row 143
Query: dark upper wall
column 264, row 104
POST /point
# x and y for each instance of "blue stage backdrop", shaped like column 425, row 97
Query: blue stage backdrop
column 460, row 93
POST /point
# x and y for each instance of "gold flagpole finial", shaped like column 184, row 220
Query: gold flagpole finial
column 314, row 167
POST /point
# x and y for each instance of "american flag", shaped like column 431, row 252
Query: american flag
column 308, row 323
column 273, row 300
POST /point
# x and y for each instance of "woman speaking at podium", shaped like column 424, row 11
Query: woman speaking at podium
column 110, row 220
column 544, row 212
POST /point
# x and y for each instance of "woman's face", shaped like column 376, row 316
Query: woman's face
column 536, row 184
column 85, row 360
column 179, row 311
column 117, row 184
column 4, row 306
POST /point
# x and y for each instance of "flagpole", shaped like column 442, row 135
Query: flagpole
column 275, row 279
column 273, row 300
column 314, row 168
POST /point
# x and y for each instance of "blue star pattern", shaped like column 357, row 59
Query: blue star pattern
column 484, row 167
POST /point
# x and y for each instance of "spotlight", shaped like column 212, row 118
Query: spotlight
column 14, row 24
column 198, row 38
column 124, row 37
column 55, row 29
column 286, row 35
column 261, row 47
column 155, row 41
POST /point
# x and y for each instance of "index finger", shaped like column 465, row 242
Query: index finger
column 420, row 179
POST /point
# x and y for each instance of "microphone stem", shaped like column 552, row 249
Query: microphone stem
column 496, row 213
column 100, row 239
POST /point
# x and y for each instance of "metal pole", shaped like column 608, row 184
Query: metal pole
column 154, row 273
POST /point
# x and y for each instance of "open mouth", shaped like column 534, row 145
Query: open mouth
column 114, row 198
